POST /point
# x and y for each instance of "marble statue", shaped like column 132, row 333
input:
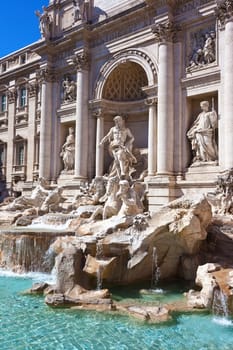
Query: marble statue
column 112, row 202
column 45, row 23
column 53, row 200
column 131, row 198
column 68, row 151
column 202, row 135
column 36, row 199
column 69, row 90
column 81, row 10
column 221, row 199
column 209, row 47
column 120, row 141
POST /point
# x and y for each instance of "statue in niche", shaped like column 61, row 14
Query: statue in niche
column 202, row 135
column 69, row 90
column 45, row 23
column 68, row 151
column 120, row 141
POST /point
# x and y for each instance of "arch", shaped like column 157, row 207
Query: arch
column 130, row 55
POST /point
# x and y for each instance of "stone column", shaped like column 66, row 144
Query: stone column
column 152, row 136
column 45, row 156
column 224, row 12
column 81, row 134
column 11, row 97
column 99, row 160
column 32, row 94
column 164, row 34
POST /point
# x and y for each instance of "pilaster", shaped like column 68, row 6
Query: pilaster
column 81, row 62
column 46, row 79
column 224, row 13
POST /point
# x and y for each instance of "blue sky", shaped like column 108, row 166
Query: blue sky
column 19, row 25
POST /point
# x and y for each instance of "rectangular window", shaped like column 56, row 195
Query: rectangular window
column 22, row 97
column 2, row 155
column 3, row 103
column 22, row 59
column 3, row 67
column 20, row 154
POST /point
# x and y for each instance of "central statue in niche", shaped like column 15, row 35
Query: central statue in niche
column 120, row 141
column 202, row 135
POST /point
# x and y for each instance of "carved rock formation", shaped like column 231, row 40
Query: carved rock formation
column 121, row 255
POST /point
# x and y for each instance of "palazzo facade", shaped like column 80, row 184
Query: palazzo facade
column 151, row 61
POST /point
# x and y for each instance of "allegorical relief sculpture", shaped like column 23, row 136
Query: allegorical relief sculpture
column 69, row 90
column 204, row 50
column 68, row 151
column 202, row 135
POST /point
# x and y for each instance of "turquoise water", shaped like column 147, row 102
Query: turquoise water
column 26, row 323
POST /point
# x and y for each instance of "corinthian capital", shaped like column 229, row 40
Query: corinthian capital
column 164, row 32
column 224, row 11
column 81, row 60
column 45, row 75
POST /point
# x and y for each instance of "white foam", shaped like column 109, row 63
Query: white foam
column 223, row 321
column 34, row 276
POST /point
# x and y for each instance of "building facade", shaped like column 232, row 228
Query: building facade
column 151, row 61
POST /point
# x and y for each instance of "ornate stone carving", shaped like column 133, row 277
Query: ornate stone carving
column 122, row 57
column 222, row 199
column 69, row 90
column 125, row 83
column 46, row 75
column 120, row 141
column 131, row 198
column 202, row 135
column 68, row 151
column 36, row 199
column 224, row 11
column 203, row 49
column 164, row 31
column 11, row 95
column 81, row 60
column 32, row 89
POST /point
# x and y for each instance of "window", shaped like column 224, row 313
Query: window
column 3, row 103
column 20, row 154
column 3, row 67
column 2, row 154
column 22, row 97
column 22, row 59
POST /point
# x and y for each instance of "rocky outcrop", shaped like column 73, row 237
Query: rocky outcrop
column 108, row 253
column 216, row 292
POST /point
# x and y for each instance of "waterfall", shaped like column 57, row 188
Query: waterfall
column 220, row 303
column 27, row 251
column 99, row 277
column 155, row 268
column 99, row 249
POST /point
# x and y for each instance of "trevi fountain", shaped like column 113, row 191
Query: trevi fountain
column 118, row 234
column 118, row 276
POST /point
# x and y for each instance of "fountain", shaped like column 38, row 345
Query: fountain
column 105, row 235
column 155, row 269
